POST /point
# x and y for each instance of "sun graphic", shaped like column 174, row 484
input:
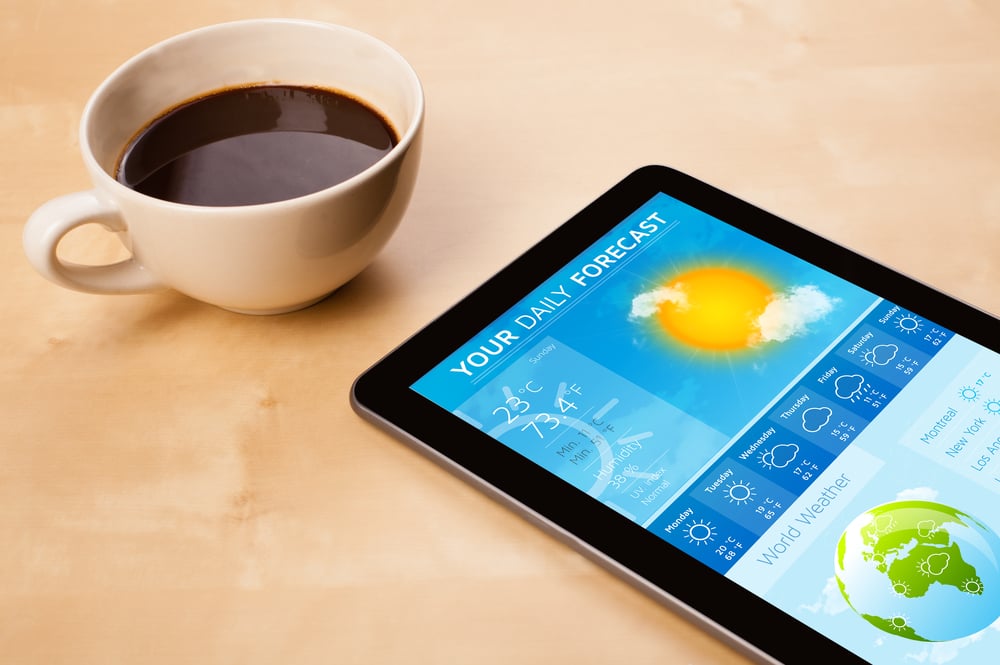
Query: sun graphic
column 715, row 308
column 909, row 324
column 699, row 532
column 969, row 394
column 899, row 622
column 972, row 585
column 740, row 492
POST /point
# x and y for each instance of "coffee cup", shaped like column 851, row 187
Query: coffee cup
column 251, row 257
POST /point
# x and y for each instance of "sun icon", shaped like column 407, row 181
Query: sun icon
column 740, row 492
column 908, row 324
column 992, row 407
column 900, row 589
column 973, row 585
column 715, row 308
column 968, row 393
column 899, row 622
column 878, row 559
column 699, row 533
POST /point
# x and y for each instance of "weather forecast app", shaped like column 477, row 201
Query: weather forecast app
column 826, row 449
column 607, row 436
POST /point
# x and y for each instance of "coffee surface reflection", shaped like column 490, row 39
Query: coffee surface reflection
column 255, row 144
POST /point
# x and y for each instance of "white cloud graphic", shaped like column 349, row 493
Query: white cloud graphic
column 917, row 494
column 946, row 652
column 648, row 303
column 790, row 313
column 830, row 602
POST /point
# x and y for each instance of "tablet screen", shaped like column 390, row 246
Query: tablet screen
column 822, row 447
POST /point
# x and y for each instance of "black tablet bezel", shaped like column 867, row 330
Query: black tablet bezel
column 383, row 395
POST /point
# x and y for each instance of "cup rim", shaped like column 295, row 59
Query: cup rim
column 406, row 138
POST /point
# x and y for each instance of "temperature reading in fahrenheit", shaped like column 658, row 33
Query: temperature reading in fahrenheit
column 601, row 433
column 729, row 549
column 561, row 401
column 515, row 406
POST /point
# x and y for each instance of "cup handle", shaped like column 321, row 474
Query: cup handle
column 53, row 220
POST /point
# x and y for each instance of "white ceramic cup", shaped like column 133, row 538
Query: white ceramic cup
column 259, row 259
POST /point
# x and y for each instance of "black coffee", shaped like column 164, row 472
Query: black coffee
column 255, row 144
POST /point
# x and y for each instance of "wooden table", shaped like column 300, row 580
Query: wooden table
column 179, row 484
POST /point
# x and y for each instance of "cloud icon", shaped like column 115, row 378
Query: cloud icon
column 790, row 313
column 926, row 527
column 881, row 354
column 935, row 564
column 884, row 524
column 849, row 386
column 780, row 456
column 816, row 418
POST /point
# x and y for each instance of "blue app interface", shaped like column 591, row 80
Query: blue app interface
column 821, row 446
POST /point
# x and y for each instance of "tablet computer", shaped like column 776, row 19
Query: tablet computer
column 753, row 424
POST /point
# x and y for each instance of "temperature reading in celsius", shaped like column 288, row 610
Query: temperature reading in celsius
column 517, row 405
column 601, row 433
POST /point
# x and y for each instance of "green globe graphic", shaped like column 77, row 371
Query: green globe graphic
column 920, row 570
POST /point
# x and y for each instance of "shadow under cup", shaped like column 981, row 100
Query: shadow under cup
column 271, row 257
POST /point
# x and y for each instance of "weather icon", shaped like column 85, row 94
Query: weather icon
column 740, row 492
column 909, row 324
column 779, row 456
column 699, row 533
column 880, row 354
column 726, row 309
column 992, row 407
column 899, row 622
column 878, row 527
column 969, row 394
column 926, row 528
column 848, row 387
column 884, row 524
column 816, row 418
column 935, row 564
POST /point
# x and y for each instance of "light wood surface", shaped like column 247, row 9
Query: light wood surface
column 179, row 484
